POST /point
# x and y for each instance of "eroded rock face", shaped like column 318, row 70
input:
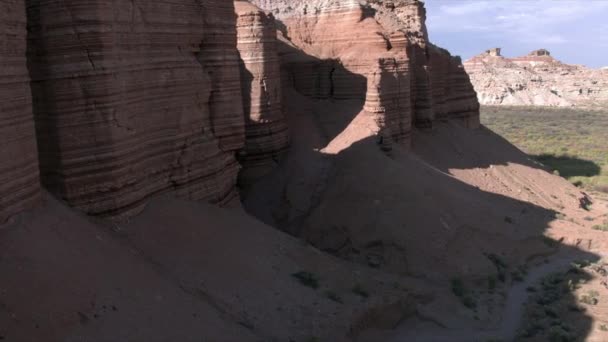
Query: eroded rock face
column 19, row 185
column 335, row 49
column 439, row 85
column 267, row 137
column 535, row 79
column 134, row 99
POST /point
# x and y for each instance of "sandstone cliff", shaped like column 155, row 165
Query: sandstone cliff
column 267, row 137
column 19, row 184
column 135, row 99
column 317, row 106
column 535, row 79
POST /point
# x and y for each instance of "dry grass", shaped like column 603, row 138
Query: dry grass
column 570, row 141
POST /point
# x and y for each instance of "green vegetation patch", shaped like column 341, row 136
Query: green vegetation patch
column 307, row 279
column 570, row 142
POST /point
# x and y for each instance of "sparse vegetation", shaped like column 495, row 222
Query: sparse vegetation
column 307, row 279
column 557, row 333
column 463, row 293
column 590, row 298
column 334, row 296
column 601, row 227
column 603, row 327
column 550, row 242
column 359, row 290
column 571, row 142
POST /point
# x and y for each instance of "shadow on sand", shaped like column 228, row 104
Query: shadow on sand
column 403, row 212
column 568, row 166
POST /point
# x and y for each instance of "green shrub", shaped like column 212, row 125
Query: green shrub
column 458, row 287
column 360, row 291
column 558, row 334
column 307, row 279
column 601, row 227
column 590, row 298
column 334, row 296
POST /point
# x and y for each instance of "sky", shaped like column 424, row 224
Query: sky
column 574, row 31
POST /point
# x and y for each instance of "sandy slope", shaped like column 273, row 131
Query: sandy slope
column 181, row 271
column 434, row 213
column 397, row 224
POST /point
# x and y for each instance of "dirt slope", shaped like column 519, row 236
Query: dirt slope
column 182, row 271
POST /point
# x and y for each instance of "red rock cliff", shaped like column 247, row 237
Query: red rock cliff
column 134, row 99
column 19, row 185
column 267, row 135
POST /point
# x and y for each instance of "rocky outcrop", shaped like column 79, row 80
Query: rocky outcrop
column 440, row 86
column 346, row 37
column 535, row 79
column 19, row 185
column 135, row 99
column 141, row 98
column 267, row 137
column 452, row 95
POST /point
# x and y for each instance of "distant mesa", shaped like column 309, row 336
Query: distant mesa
column 536, row 79
column 540, row 53
column 495, row 52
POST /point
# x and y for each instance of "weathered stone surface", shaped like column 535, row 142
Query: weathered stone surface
column 336, row 51
column 441, row 88
column 19, row 184
column 267, row 137
column 535, row 79
column 361, row 36
column 133, row 99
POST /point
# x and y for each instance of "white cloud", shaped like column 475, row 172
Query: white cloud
column 568, row 28
column 462, row 15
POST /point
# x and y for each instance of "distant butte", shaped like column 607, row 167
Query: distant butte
column 535, row 79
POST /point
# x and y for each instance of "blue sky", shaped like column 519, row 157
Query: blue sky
column 575, row 31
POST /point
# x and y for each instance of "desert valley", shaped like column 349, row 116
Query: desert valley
column 292, row 170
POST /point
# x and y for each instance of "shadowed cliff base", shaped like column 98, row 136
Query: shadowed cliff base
column 568, row 166
column 445, row 212
column 440, row 238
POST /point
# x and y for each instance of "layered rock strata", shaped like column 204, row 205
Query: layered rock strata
column 267, row 137
column 535, row 79
column 360, row 63
column 19, row 185
column 439, row 87
column 134, row 99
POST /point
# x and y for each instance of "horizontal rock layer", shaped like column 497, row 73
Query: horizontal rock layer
column 340, row 53
column 362, row 39
column 535, row 79
column 19, row 184
column 267, row 137
column 133, row 99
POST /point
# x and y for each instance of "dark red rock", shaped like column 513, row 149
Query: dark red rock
column 135, row 99
column 19, row 184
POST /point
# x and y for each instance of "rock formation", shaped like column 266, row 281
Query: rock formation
column 148, row 106
column 267, row 136
column 535, row 79
column 19, row 185
column 131, row 100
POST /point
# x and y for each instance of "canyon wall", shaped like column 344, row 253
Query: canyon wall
column 267, row 135
column 19, row 185
column 134, row 99
column 537, row 79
